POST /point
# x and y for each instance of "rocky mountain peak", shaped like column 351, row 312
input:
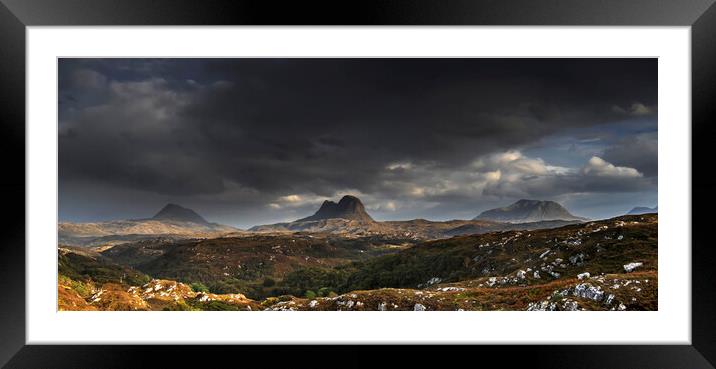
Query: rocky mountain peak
column 179, row 213
column 349, row 207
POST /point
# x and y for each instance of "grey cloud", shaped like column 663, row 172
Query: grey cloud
column 83, row 78
column 247, row 132
column 639, row 151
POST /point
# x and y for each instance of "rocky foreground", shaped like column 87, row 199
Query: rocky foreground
column 156, row 295
column 620, row 292
column 628, row 291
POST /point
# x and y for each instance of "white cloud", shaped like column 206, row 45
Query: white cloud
column 390, row 206
column 291, row 198
column 598, row 167
column 417, row 191
column 636, row 109
column 296, row 201
column 640, row 109
column 493, row 176
column 507, row 174
column 513, row 161
column 402, row 166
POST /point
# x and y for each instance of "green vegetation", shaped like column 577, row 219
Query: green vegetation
column 179, row 306
column 84, row 289
column 80, row 267
column 256, row 266
column 215, row 306
column 325, row 291
column 199, row 287
column 591, row 248
column 323, row 280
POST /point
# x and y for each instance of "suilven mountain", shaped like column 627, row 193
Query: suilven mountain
column 349, row 207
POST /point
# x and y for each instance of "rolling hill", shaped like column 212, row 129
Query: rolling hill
column 231, row 264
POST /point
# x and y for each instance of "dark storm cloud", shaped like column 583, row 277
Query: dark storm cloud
column 250, row 131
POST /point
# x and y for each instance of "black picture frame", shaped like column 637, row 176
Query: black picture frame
column 16, row 15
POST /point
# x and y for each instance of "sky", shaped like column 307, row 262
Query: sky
column 257, row 141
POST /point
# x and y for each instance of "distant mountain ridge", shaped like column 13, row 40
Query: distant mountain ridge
column 527, row 211
column 349, row 207
column 348, row 217
column 643, row 210
column 172, row 221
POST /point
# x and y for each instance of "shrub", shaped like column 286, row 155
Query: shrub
column 179, row 306
column 220, row 306
column 82, row 289
column 269, row 282
column 199, row 287
column 269, row 301
column 315, row 278
column 310, row 295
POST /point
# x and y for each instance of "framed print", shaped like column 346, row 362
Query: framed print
column 517, row 177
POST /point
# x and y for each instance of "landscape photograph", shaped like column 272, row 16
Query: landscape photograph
column 357, row 184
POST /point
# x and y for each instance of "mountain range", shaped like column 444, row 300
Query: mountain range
column 347, row 217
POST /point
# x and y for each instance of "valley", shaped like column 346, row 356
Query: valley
column 401, row 265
